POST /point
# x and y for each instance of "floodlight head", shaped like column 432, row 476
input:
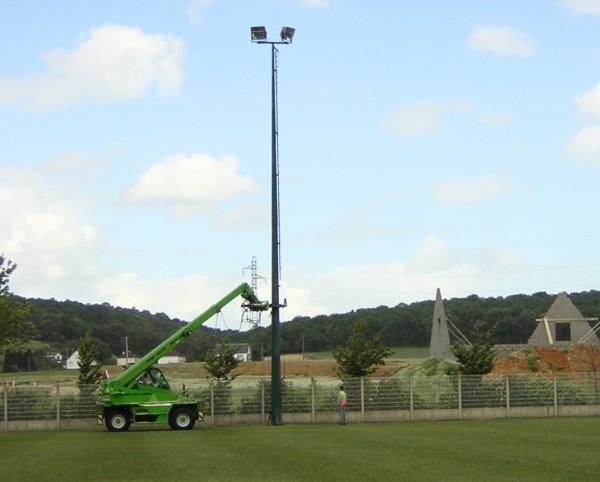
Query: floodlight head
column 287, row 33
column 258, row 34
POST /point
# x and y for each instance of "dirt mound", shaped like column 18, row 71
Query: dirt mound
column 576, row 359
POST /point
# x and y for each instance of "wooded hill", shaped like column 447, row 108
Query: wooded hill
column 61, row 324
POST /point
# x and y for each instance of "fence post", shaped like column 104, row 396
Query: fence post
column 555, row 397
column 312, row 400
column 6, row 407
column 460, row 396
column 410, row 390
column 262, row 401
column 507, row 396
column 58, row 406
column 362, row 399
column 212, row 402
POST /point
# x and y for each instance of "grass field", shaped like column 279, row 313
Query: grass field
column 412, row 354
column 557, row 449
column 398, row 353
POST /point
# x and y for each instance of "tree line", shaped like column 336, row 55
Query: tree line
column 61, row 324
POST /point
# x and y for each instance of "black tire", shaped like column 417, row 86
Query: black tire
column 118, row 420
column 182, row 418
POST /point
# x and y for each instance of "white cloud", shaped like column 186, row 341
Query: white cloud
column 588, row 104
column 112, row 63
column 435, row 256
column 492, row 119
column 191, row 185
column 195, row 9
column 376, row 284
column 183, row 298
column 434, row 264
column 428, row 116
column 45, row 232
column 421, row 118
column 301, row 302
column 585, row 145
column 582, row 7
column 359, row 224
column 502, row 41
column 74, row 161
column 464, row 190
column 59, row 252
column 497, row 260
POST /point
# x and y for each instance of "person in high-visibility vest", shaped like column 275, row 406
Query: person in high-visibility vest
column 342, row 401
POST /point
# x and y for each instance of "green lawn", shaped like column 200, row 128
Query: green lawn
column 556, row 449
column 410, row 352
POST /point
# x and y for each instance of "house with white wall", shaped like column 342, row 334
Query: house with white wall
column 53, row 356
column 242, row 351
column 168, row 359
column 171, row 358
column 127, row 360
column 72, row 362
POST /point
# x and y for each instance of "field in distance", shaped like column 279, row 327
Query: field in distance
column 319, row 364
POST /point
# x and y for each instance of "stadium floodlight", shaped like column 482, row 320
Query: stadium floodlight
column 259, row 35
column 287, row 33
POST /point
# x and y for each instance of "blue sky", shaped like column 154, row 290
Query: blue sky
column 423, row 145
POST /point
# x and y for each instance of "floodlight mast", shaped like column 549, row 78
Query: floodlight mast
column 259, row 35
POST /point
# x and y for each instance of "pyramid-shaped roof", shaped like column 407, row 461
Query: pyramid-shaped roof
column 564, row 312
column 563, row 309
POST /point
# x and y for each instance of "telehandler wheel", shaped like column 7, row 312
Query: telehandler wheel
column 182, row 418
column 118, row 420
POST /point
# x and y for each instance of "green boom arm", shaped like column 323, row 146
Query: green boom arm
column 251, row 302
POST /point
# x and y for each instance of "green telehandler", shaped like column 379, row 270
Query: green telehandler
column 141, row 393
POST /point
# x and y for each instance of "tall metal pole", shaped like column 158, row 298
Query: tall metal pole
column 276, row 418
column 259, row 35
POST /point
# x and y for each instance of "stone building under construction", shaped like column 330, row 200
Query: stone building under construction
column 562, row 326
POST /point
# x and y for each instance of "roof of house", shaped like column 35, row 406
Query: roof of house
column 174, row 354
column 564, row 309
